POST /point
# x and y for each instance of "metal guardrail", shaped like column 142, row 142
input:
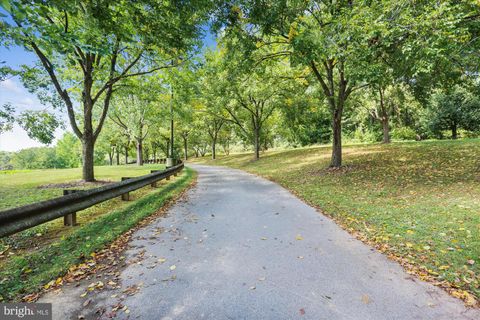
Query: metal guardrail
column 25, row 217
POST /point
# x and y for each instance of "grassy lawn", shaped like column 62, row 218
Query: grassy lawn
column 419, row 202
column 23, row 187
column 46, row 252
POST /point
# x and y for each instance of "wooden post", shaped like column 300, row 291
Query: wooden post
column 71, row 218
column 126, row 196
column 154, row 184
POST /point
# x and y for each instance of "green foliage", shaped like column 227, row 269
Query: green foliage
column 5, row 160
column 6, row 118
column 39, row 125
column 404, row 133
column 453, row 110
column 34, row 158
column 68, row 151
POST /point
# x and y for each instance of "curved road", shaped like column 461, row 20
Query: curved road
column 241, row 247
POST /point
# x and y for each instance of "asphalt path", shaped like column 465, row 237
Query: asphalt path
column 237, row 246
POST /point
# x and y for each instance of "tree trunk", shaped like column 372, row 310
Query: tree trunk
column 87, row 159
column 126, row 155
column 214, row 145
column 139, row 152
column 110, row 157
column 454, row 131
column 384, row 118
column 185, row 148
column 117, row 151
column 336, row 161
column 386, row 130
column 257, row 143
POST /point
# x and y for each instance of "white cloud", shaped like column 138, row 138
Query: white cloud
column 10, row 86
column 27, row 101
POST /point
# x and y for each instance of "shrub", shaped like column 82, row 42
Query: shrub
column 404, row 133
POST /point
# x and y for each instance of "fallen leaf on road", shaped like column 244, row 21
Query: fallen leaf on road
column 302, row 311
column 173, row 267
column 365, row 299
column 253, row 288
column 263, row 238
column 299, row 237
column 162, row 260
column 87, row 302
column 261, row 279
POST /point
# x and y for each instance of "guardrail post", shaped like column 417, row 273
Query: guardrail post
column 154, row 184
column 71, row 218
column 126, row 196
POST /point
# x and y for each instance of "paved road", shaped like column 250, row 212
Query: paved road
column 240, row 247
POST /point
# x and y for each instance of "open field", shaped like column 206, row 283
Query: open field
column 32, row 258
column 23, row 187
column 419, row 202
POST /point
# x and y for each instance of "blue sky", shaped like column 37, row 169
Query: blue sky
column 12, row 91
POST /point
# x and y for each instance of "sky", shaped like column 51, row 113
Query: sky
column 12, row 91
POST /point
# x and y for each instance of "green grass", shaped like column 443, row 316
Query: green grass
column 25, row 273
column 417, row 201
column 21, row 187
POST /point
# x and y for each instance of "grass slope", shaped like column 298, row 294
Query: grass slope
column 21, row 187
column 25, row 273
column 418, row 201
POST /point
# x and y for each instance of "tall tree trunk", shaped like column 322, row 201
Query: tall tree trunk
column 117, row 151
column 384, row 117
column 214, row 144
column 336, row 160
column 454, row 131
column 126, row 154
column 87, row 159
column 185, row 148
column 257, row 142
column 386, row 129
column 139, row 152
column 110, row 157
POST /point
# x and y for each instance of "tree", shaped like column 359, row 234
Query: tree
column 6, row 118
column 342, row 43
column 39, row 125
column 69, row 151
column 133, row 114
column 245, row 98
column 213, row 126
column 97, row 45
column 455, row 109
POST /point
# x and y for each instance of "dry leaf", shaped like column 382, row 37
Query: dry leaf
column 365, row 299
